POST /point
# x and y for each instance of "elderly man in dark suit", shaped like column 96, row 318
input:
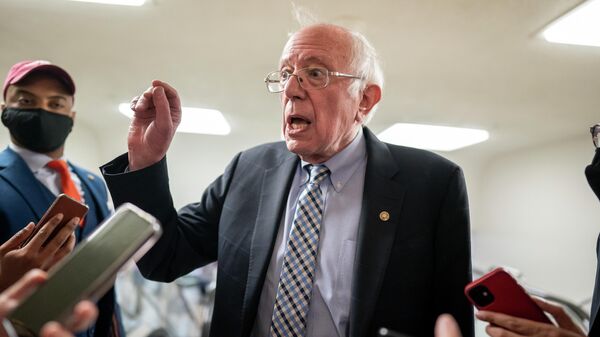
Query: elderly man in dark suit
column 329, row 233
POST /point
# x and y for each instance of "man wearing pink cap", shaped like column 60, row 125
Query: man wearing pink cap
column 38, row 112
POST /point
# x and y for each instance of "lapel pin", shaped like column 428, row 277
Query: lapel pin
column 91, row 177
column 384, row 216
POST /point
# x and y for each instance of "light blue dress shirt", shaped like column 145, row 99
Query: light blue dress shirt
column 329, row 307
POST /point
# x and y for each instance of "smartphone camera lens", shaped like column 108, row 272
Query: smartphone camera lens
column 481, row 295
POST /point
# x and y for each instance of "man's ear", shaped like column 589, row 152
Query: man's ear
column 2, row 105
column 370, row 96
column 73, row 113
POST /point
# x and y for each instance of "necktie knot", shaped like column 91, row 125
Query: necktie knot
column 67, row 184
column 59, row 166
column 317, row 174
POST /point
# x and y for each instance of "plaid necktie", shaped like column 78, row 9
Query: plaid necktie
column 298, row 271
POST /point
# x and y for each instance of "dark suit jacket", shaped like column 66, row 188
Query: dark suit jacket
column 24, row 199
column 408, row 270
column 592, row 173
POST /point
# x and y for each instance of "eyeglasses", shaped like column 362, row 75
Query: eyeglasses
column 308, row 78
column 595, row 130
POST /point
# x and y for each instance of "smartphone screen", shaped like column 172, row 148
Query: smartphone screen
column 69, row 207
column 90, row 270
column 499, row 292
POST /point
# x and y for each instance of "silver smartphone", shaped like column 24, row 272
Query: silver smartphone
column 89, row 271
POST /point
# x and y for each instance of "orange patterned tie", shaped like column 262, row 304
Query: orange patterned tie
column 67, row 184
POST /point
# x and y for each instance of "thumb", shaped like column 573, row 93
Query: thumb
column 14, row 242
column 446, row 326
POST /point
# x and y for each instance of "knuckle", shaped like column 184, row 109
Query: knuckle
column 552, row 333
column 511, row 324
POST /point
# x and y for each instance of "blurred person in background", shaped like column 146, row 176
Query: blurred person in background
column 503, row 325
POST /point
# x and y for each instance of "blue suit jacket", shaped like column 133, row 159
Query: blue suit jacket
column 24, row 199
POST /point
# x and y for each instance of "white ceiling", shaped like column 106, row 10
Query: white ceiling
column 471, row 63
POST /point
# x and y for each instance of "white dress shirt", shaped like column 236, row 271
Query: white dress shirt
column 48, row 177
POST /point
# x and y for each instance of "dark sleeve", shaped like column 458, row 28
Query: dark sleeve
column 190, row 236
column 592, row 172
column 453, row 255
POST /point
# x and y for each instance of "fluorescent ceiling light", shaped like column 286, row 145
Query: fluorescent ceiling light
column 194, row 120
column 580, row 26
column 431, row 137
column 116, row 2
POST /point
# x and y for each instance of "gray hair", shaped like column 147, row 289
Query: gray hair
column 365, row 63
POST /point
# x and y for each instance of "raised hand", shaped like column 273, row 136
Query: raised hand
column 37, row 253
column 157, row 113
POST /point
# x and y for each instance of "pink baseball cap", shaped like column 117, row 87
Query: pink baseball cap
column 20, row 70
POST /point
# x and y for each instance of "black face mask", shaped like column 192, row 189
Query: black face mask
column 37, row 129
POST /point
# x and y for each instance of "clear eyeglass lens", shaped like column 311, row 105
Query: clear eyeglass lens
column 275, row 81
column 309, row 78
column 316, row 77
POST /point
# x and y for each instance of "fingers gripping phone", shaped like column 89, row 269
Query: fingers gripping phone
column 69, row 207
column 89, row 271
column 499, row 292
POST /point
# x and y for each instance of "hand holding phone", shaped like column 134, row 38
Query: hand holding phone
column 15, row 260
column 89, row 271
column 499, row 292
column 65, row 205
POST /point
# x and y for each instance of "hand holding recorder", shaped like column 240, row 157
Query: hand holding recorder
column 82, row 316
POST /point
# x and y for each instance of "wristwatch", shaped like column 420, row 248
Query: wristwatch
column 595, row 130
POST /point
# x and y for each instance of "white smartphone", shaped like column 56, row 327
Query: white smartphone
column 90, row 270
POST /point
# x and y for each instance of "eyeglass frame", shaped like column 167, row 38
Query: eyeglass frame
column 595, row 130
column 328, row 72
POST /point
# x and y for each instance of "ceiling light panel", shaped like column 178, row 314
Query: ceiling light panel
column 432, row 137
column 581, row 26
column 194, row 120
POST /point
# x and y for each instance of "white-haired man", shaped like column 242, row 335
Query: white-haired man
column 330, row 233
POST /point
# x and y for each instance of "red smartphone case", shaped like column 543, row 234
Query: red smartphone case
column 499, row 292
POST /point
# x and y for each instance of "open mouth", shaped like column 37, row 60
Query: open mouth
column 297, row 122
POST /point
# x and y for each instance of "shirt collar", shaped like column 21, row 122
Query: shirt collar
column 343, row 164
column 34, row 160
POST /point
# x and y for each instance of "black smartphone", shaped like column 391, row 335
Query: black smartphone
column 89, row 271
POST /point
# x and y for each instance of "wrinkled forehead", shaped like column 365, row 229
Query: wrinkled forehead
column 324, row 46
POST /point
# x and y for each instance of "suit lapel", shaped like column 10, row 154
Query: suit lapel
column 19, row 176
column 381, row 205
column 88, row 180
column 273, row 196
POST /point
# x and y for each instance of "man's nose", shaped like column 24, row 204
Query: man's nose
column 293, row 89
